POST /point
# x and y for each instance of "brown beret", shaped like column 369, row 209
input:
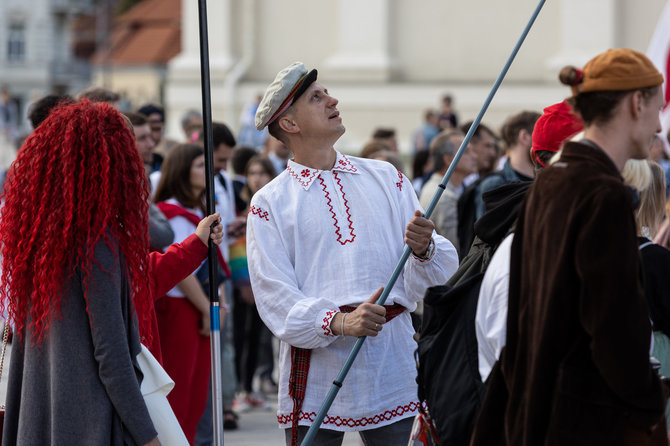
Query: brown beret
column 617, row 70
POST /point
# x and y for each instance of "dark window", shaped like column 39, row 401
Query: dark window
column 16, row 42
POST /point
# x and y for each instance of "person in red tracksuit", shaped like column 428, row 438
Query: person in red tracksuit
column 183, row 312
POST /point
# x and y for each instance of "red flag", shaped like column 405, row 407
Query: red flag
column 659, row 53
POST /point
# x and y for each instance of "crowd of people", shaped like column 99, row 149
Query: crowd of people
column 104, row 232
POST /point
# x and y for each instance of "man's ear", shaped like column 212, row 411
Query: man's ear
column 288, row 124
column 525, row 138
column 636, row 101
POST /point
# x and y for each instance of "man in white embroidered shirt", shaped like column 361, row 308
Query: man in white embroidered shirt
column 321, row 239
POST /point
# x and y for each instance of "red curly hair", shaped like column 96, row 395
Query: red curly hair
column 77, row 179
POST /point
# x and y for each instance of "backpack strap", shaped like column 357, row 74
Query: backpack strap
column 645, row 244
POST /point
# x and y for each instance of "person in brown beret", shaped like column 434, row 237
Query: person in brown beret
column 576, row 367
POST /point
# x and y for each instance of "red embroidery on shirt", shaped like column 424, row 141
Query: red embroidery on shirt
column 334, row 215
column 326, row 322
column 346, row 205
column 254, row 210
column 345, row 164
column 353, row 422
column 399, row 183
column 306, row 175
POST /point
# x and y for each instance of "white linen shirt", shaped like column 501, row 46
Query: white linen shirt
column 491, row 315
column 320, row 239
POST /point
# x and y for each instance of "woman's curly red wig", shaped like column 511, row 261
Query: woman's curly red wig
column 77, row 180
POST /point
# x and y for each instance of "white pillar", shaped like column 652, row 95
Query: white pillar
column 183, row 88
column 218, row 27
column 586, row 28
column 363, row 45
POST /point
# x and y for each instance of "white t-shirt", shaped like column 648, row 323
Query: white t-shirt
column 491, row 317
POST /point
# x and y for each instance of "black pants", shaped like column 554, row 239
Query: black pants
column 396, row 434
column 247, row 327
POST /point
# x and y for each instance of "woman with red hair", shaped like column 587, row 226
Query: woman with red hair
column 75, row 284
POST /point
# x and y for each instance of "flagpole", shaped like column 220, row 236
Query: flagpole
column 214, row 317
column 337, row 384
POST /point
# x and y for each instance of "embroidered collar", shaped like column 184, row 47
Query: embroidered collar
column 344, row 164
column 305, row 176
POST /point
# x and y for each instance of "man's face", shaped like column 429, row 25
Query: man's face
column 145, row 144
column 156, row 124
column 220, row 156
column 484, row 148
column 316, row 113
column 468, row 161
column 650, row 123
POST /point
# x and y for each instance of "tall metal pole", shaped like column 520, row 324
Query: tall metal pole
column 337, row 384
column 214, row 321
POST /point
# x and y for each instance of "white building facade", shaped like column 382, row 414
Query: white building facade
column 36, row 53
column 389, row 60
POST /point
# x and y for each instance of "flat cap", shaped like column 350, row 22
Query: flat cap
column 290, row 83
